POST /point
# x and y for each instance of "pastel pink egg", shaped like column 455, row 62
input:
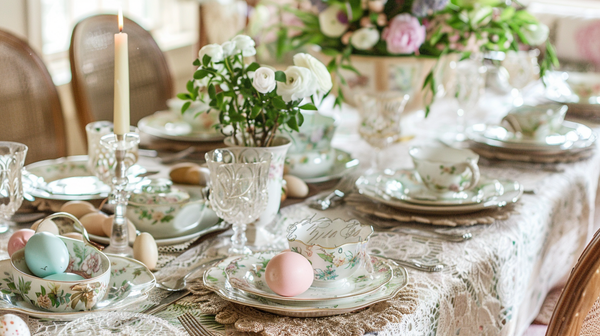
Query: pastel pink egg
column 289, row 274
column 18, row 240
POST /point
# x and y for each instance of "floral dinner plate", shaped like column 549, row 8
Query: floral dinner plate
column 215, row 279
column 343, row 164
column 130, row 282
column 246, row 273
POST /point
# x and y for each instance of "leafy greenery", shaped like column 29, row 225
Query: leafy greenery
column 255, row 118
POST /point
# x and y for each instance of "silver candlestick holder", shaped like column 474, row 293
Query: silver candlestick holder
column 120, row 145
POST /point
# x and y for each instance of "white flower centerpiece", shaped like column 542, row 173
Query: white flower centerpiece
column 256, row 104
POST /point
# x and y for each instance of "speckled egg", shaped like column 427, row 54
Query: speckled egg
column 46, row 254
column 12, row 325
column 289, row 274
column 18, row 240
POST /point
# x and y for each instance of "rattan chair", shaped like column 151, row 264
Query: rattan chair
column 92, row 67
column 578, row 309
column 30, row 110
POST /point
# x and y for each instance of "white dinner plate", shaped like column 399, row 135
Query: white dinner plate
column 165, row 125
column 343, row 164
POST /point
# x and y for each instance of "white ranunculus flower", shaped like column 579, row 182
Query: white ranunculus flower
column 319, row 70
column 228, row 48
column 364, row 38
column 214, row 50
column 535, row 34
column 333, row 21
column 299, row 84
column 264, row 80
column 244, row 44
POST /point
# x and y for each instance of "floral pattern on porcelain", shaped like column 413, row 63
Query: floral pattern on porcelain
column 334, row 248
column 84, row 260
column 310, row 164
column 315, row 134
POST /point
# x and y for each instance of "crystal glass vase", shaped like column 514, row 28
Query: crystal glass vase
column 238, row 188
column 12, row 158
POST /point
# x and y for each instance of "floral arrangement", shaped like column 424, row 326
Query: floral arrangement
column 425, row 28
column 256, row 101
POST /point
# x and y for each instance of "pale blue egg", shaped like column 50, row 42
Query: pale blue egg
column 46, row 254
column 64, row 277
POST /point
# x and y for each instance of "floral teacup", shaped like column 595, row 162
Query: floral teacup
column 64, row 296
column 585, row 85
column 335, row 248
column 315, row 133
column 446, row 170
column 535, row 121
column 310, row 164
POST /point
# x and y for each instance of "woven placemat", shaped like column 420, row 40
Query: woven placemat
column 366, row 206
column 240, row 319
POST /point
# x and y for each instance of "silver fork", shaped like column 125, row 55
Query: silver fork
column 193, row 326
column 335, row 198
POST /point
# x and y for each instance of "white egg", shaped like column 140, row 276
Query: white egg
column 296, row 188
column 45, row 225
column 78, row 208
column 13, row 325
column 145, row 250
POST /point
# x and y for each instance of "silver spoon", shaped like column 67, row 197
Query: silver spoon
column 414, row 264
column 176, row 285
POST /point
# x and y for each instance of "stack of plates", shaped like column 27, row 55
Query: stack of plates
column 241, row 280
column 404, row 190
column 572, row 142
column 166, row 125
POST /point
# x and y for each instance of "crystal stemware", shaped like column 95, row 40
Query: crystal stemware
column 12, row 158
column 380, row 116
column 238, row 188
column 470, row 84
column 521, row 67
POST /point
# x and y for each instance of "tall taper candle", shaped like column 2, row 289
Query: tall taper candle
column 121, row 107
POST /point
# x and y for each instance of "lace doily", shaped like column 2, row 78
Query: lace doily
column 120, row 323
column 246, row 319
column 361, row 204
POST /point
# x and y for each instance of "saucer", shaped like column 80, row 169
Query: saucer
column 69, row 179
column 369, row 186
column 246, row 274
column 167, row 126
column 406, row 185
column 571, row 137
column 215, row 280
column 343, row 164
column 130, row 282
column 207, row 225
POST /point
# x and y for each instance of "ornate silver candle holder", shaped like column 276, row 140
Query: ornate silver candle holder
column 121, row 145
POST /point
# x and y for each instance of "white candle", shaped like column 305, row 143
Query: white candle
column 121, row 107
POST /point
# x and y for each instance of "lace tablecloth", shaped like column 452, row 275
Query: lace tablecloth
column 495, row 283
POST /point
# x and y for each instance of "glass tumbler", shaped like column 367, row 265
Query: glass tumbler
column 12, row 159
column 238, row 188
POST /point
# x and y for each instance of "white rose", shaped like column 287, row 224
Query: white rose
column 244, row 44
column 330, row 23
column 319, row 70
column 264, row 80
column 214, row 50
column 228, row 48
column 535, row 34
column 299, row 83
column 364, row 38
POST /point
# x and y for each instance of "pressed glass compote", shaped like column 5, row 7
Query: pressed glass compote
column 380, row 116
column 238, row 188
column 12, row 159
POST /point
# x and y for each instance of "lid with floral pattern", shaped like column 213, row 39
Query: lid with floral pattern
column 159, row 191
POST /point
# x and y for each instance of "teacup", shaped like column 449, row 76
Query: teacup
column 446, row 170
column 335, row 248
column 535, row 121
column 585, row 85
column 195, row 115
column 315, row 133
column 310, row 164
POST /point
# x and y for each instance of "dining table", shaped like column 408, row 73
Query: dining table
column 491, row 284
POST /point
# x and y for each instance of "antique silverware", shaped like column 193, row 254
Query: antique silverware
column 414, row 265
column 335, row 198
column 193, row 326
column 166, row 302
column 180, row 283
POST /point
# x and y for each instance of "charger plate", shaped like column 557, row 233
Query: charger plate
column 215, row 280
column 130, row 282
column 167, row 126
column 69, row 179
column 246, row 274
column 368, row 185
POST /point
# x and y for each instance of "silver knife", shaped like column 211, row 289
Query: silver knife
column 166, row 301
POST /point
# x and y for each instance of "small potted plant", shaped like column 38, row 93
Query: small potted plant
column 255, row 103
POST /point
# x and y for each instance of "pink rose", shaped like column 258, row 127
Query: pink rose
column 404, row 35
